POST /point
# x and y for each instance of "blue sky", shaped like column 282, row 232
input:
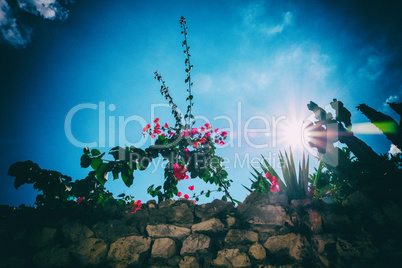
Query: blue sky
column 255, row 63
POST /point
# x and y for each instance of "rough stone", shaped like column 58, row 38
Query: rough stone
column 159, row 216
column 166, row 203
column 324, row 261
column 297, row 203
column 257, row 252
column 12, row 261
column 74, row 231
column 315, row 222
column 196, row 244
column 151, row 205
column 52, row 256
column 279, row 200
column 169, row 231
column 230, row 221
column 291, row 244
column 323, row 242
column 43, row 237
column 180, row 214
column 333, row 223
column 208, row 227
column 394, row 213
column 139, row 220
column 189, row 262
column 231, row 258
column 90, row 251
column 114, row 229
column 236, row 237
column 253, row 199
column 356, row 249
column 346, row 250
column 163, row 248
column 360, row 202
column 215, row 209
column 263, row 216
column 275, row 266
column 128, row 251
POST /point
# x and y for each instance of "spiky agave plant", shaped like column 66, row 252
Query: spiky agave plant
column 295, row 187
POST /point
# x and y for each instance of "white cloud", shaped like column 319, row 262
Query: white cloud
column 392, row 99
column 394, row 150
column 48, row 9
column 18, row 35
column 256, row 18
column 385, row 107
column 10, row 30
column 287, row 20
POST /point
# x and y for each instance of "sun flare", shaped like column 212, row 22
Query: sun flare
column 290, row 134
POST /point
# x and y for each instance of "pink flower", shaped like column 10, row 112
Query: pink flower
column 146, row 127
column 202, row 129
column 203, row 140
column 152, row 136
column 208, row 126
column 194, row 131
column 224, row 133
column 217, row 130
column 186, row 196
column 180, row 171
column 221, row 143
column 275, row 187
column 156, row 120
column 274, row 183
column 207, row 134
column 217, row 141
column 179, row 194
column 136, row 206
column 166, row 125
column 163, row 134
column 79, row 200
column 195, row 144
column 270, row 177
column 171, row 133
column 191, row 187
column 186, row 133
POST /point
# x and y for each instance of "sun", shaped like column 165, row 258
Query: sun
column 290, row 134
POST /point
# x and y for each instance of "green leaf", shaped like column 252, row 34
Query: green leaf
column 95, row 152
column 127, row 175
column 143, row 163
column 101, row 174
column 86, row 150
column 96, row 162
column 248, row 189
column 85, row 161
column 224, row 198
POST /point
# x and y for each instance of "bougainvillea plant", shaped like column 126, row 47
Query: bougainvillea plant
column 189, row 151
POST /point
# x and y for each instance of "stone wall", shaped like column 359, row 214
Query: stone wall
column 263, row 231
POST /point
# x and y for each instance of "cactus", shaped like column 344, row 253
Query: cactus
column 385, row 123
